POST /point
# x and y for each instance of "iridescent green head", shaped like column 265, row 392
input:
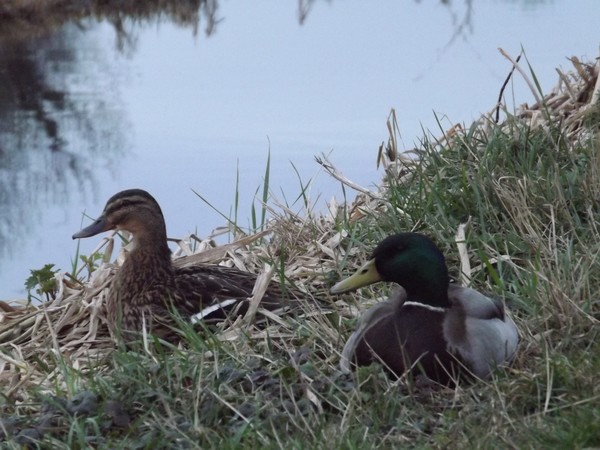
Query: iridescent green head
column 410, row 259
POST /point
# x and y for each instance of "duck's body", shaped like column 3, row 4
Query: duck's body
column 429, row 325
column 148, row 288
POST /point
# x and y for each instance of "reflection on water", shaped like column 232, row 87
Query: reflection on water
column 22, row 20
column 61, row 119
column 56, row 127
column 80, row 120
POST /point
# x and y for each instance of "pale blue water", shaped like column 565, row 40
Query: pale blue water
column 177, row 112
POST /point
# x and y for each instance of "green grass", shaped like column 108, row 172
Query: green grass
column 532, row 197
column 532, row 201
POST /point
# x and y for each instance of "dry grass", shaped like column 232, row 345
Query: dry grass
column 522, row 197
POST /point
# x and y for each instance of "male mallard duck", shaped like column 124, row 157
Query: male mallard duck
column 148, row 286
column 429, row 326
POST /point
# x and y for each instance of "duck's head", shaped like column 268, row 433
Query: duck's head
column 410, row 259
column 132, row 210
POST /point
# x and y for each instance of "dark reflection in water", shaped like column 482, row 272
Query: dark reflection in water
column 62, row 125
column 35, row 17
column 54, row 133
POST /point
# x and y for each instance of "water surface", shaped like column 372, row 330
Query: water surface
column 87, row 112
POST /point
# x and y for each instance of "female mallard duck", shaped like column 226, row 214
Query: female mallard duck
column 430, row 326
column 148, row 287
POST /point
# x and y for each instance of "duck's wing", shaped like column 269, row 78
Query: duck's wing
column 480, row 330
column 475, row 304
column 217, row 292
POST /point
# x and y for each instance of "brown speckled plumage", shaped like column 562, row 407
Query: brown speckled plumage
column 148, row 287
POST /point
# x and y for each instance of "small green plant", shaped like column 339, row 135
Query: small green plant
column 90, row 262
column 44, row 282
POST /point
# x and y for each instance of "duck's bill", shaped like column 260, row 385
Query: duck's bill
column 364, row 276
column 99, row 226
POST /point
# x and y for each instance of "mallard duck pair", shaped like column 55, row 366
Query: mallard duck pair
column 148, row 288
column 429, row 325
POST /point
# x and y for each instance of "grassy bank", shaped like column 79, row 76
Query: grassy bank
column 526, row 192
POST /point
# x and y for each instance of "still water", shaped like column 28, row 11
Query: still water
column 86, row 111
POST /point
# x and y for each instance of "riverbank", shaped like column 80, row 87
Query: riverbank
column 524, row 186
